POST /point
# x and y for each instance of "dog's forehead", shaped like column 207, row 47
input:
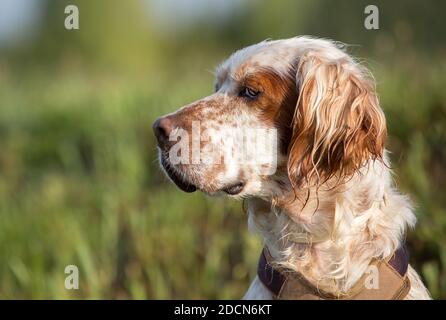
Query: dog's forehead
column 277, row 55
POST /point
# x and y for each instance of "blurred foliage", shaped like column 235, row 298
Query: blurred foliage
column 79, row 179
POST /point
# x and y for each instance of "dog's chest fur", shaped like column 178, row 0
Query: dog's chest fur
column 332, row 237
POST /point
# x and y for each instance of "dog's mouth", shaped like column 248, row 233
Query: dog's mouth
column 234, row 189
column 175, row 177
column 182, row 182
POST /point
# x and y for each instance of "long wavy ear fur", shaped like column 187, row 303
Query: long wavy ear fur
column 338, row 124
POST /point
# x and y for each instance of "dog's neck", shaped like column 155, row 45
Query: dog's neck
column 331, row 234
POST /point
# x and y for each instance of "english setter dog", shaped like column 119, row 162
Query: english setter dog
column 295, row 128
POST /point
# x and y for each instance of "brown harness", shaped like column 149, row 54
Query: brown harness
column 291, row 285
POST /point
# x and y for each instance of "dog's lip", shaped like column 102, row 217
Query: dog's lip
column 234, row 188
column 173, row 175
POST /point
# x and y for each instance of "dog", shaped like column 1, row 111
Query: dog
column 317, row 180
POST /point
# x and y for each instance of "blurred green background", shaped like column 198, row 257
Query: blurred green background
column 79, row 179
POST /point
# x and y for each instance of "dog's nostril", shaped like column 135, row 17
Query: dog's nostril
column 162, row 128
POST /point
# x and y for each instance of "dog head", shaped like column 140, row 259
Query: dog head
column 293, row 112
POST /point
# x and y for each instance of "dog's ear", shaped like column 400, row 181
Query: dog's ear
column 338, row 124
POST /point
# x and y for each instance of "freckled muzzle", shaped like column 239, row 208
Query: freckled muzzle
column 216, row 144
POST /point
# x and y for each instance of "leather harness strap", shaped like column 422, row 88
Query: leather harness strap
column 392, row 284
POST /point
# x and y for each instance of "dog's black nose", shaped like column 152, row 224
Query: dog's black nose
column 162, row 128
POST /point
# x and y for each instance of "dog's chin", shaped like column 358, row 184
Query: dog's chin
column 176, row 178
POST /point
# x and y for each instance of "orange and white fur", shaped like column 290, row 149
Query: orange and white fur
column 330, row 206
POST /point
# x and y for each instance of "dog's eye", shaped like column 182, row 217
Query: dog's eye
column 249, row 93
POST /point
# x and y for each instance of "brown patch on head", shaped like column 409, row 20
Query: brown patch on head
column 276, row 102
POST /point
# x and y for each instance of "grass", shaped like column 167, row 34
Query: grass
column 80, row 184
